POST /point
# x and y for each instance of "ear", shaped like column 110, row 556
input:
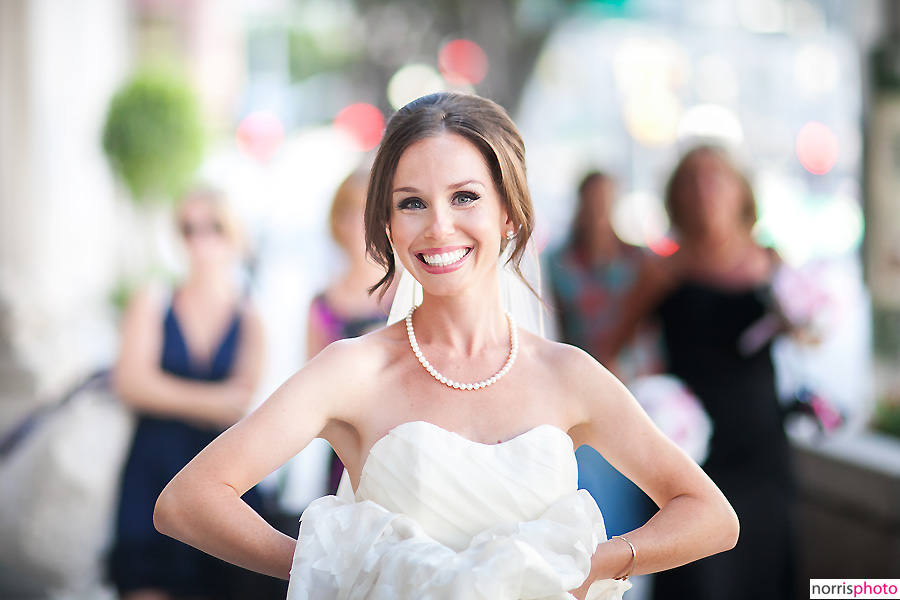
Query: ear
column 506, row 220
column 508, row 231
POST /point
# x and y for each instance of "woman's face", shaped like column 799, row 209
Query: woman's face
column 204, row 235
column 447, row 219
column 712, row 197
column 597, row 205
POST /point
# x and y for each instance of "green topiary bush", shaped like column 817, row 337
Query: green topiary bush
column 153, row 137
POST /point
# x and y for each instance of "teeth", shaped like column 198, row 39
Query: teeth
column 444, row 259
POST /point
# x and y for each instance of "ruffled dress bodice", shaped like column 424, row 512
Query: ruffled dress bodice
column 438, row 516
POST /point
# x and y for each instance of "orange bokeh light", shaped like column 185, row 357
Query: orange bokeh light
column 462, row 62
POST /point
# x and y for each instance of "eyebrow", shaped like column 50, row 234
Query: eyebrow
column 452, row 186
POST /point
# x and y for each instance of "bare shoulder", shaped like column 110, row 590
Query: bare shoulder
column 252, row 320
column 251, row 312
column 352, row 358
column 148, row 301
column 581, row 383
column 572, row 367
column 350, row 368
column 143, row 315
column 560, row 357
column 664, row 271
column 370, row 348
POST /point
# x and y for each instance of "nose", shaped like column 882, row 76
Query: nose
column 440, row 223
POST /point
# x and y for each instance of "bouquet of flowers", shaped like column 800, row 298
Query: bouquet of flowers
column 799, row 303
column 803, row 305
column 676, row 411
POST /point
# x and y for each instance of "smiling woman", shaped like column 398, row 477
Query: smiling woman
column 456, row 491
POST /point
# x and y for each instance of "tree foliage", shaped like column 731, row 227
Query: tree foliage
column 153, row 137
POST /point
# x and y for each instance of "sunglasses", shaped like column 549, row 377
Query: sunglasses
column 189, row 230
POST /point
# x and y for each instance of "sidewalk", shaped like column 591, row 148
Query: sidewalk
column 14, row 587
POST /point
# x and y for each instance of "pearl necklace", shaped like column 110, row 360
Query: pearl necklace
column 513, row 350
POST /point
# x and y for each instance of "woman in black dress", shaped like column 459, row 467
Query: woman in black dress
column 706, row 297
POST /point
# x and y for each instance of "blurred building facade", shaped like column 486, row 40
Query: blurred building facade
column 63, row 214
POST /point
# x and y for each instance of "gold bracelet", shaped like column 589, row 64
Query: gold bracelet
column 633, row 558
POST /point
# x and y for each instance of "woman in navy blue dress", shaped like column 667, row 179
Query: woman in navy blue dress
column 189, row 364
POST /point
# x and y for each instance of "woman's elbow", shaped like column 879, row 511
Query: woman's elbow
column 125, row 386
column 730, row 528
column 166, row 511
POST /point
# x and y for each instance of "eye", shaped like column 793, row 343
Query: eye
column 465, row 198
column 410, row 204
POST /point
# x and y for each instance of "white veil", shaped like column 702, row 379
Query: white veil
column 516, row 298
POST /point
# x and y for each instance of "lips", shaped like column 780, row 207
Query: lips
column 447, row 259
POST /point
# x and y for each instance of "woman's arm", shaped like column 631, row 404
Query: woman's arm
column 655, row 278
column 695, row 519
column 251, row 355
column 142, row 384
column 202, row 505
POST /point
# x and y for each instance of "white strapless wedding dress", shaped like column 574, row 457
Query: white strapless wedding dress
column 440, row 517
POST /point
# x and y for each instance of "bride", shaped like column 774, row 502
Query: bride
column 456, row 427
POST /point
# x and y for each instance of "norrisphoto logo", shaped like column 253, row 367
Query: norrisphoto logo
column 854, row 588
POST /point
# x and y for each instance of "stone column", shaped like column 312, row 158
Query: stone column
column 17, row 384
column 60, row 62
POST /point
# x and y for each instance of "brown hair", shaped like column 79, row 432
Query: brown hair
column 486, row 126
column 674, row 200
column 580, row 230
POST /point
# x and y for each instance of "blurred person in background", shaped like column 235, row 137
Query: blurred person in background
column 345, row 309
column 590, row 277
column 189, row 364
column 708, row 296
